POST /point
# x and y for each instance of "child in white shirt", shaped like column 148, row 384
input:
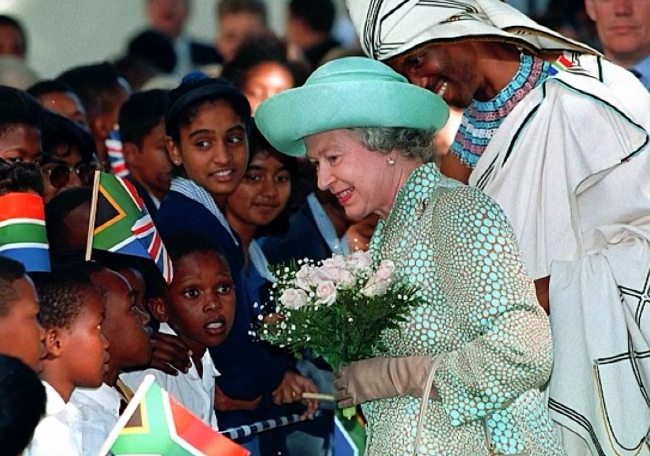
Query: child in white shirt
column 199, row 307
column 126, row 329
column 72, row 313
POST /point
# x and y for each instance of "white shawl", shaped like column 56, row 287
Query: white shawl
column 570, row 168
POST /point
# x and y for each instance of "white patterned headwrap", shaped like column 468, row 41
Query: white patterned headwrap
column 388, row 28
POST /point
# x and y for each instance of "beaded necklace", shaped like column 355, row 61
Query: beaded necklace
column 482, row 118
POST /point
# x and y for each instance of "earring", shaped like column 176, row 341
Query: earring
column 390, row 161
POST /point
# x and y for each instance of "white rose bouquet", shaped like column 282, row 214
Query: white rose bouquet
column 338, row 308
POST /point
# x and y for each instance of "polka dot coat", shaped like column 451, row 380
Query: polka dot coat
column 481, row 318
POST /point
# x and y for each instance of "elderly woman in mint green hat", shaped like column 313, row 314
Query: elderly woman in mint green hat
column 461, row 377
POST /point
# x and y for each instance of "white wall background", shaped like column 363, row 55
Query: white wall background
column 65, row 33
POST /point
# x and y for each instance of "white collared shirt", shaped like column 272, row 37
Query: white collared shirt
column 195, row 393
column 100, row 410
column 59, row 432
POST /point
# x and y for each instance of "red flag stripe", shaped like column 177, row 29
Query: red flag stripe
column 131, row 191
column 144, row 228
column 21, row 205
column 154, row 249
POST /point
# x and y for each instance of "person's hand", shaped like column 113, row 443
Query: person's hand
column 291, row 390
column 170, row 354
column 380, row 378
column 224, row 403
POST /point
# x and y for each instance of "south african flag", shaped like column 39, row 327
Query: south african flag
column 123, row 225
column 154, row 423
column 22, row 231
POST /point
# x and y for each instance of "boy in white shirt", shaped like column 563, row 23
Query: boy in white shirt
column 130, row 346
column 199, row 307
column 72, row 313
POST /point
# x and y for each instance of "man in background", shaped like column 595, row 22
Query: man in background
column 309, row 28
column 624, row 30
column 169, row 17
column 13, row 40
column 236, row 21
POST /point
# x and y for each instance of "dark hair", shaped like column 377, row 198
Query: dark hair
column 257, row 7
column 57, row 130
column 20, row 177
column 253, row 51
column 318, row 14
column 184, row 243
column 140, row 114
column 18, row 107
column 9, row 21
column 155, row 49
column 10, row 271
column 95, row 85
column 154, row 281
column 49, row 86
column 58, row 208
column 22, row 404
column 197, row 90
column 258, row 144
column 62, row 295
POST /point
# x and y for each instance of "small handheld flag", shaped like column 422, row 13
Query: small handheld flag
column 115, row 151
column 154, row 423
column 120, row 223
column 22, row 231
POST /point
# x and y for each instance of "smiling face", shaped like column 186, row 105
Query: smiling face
column 623, row 28
column 263, row 192
column 200, row 304
column 213, row 149
column 448, row 70
column 360, row 179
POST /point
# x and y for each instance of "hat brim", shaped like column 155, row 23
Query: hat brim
column 288, row 117
column 533, row 40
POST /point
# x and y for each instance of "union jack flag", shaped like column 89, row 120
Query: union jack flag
column 123, row 225
column 115, row 151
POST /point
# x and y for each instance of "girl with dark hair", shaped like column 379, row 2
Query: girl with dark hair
column 206, row 122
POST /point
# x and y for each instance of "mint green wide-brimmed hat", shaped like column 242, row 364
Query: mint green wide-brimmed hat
column 346, row 93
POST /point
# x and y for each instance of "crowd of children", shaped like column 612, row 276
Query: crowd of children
column 226, row 204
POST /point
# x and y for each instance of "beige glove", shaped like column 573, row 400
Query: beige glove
column 380, row 378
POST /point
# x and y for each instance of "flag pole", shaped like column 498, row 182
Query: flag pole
column 93, row 215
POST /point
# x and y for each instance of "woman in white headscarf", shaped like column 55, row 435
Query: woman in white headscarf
column 558, row 136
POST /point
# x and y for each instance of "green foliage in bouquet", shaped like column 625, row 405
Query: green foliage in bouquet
column 337, row 308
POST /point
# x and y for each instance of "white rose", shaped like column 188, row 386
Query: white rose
column 304, row 278
column 360, row 261
column 337, row 261
column 326, row 293
column 385, row 270
column 293, row 298
column 381, row 280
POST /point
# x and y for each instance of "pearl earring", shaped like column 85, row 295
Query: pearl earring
column 390, row 161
